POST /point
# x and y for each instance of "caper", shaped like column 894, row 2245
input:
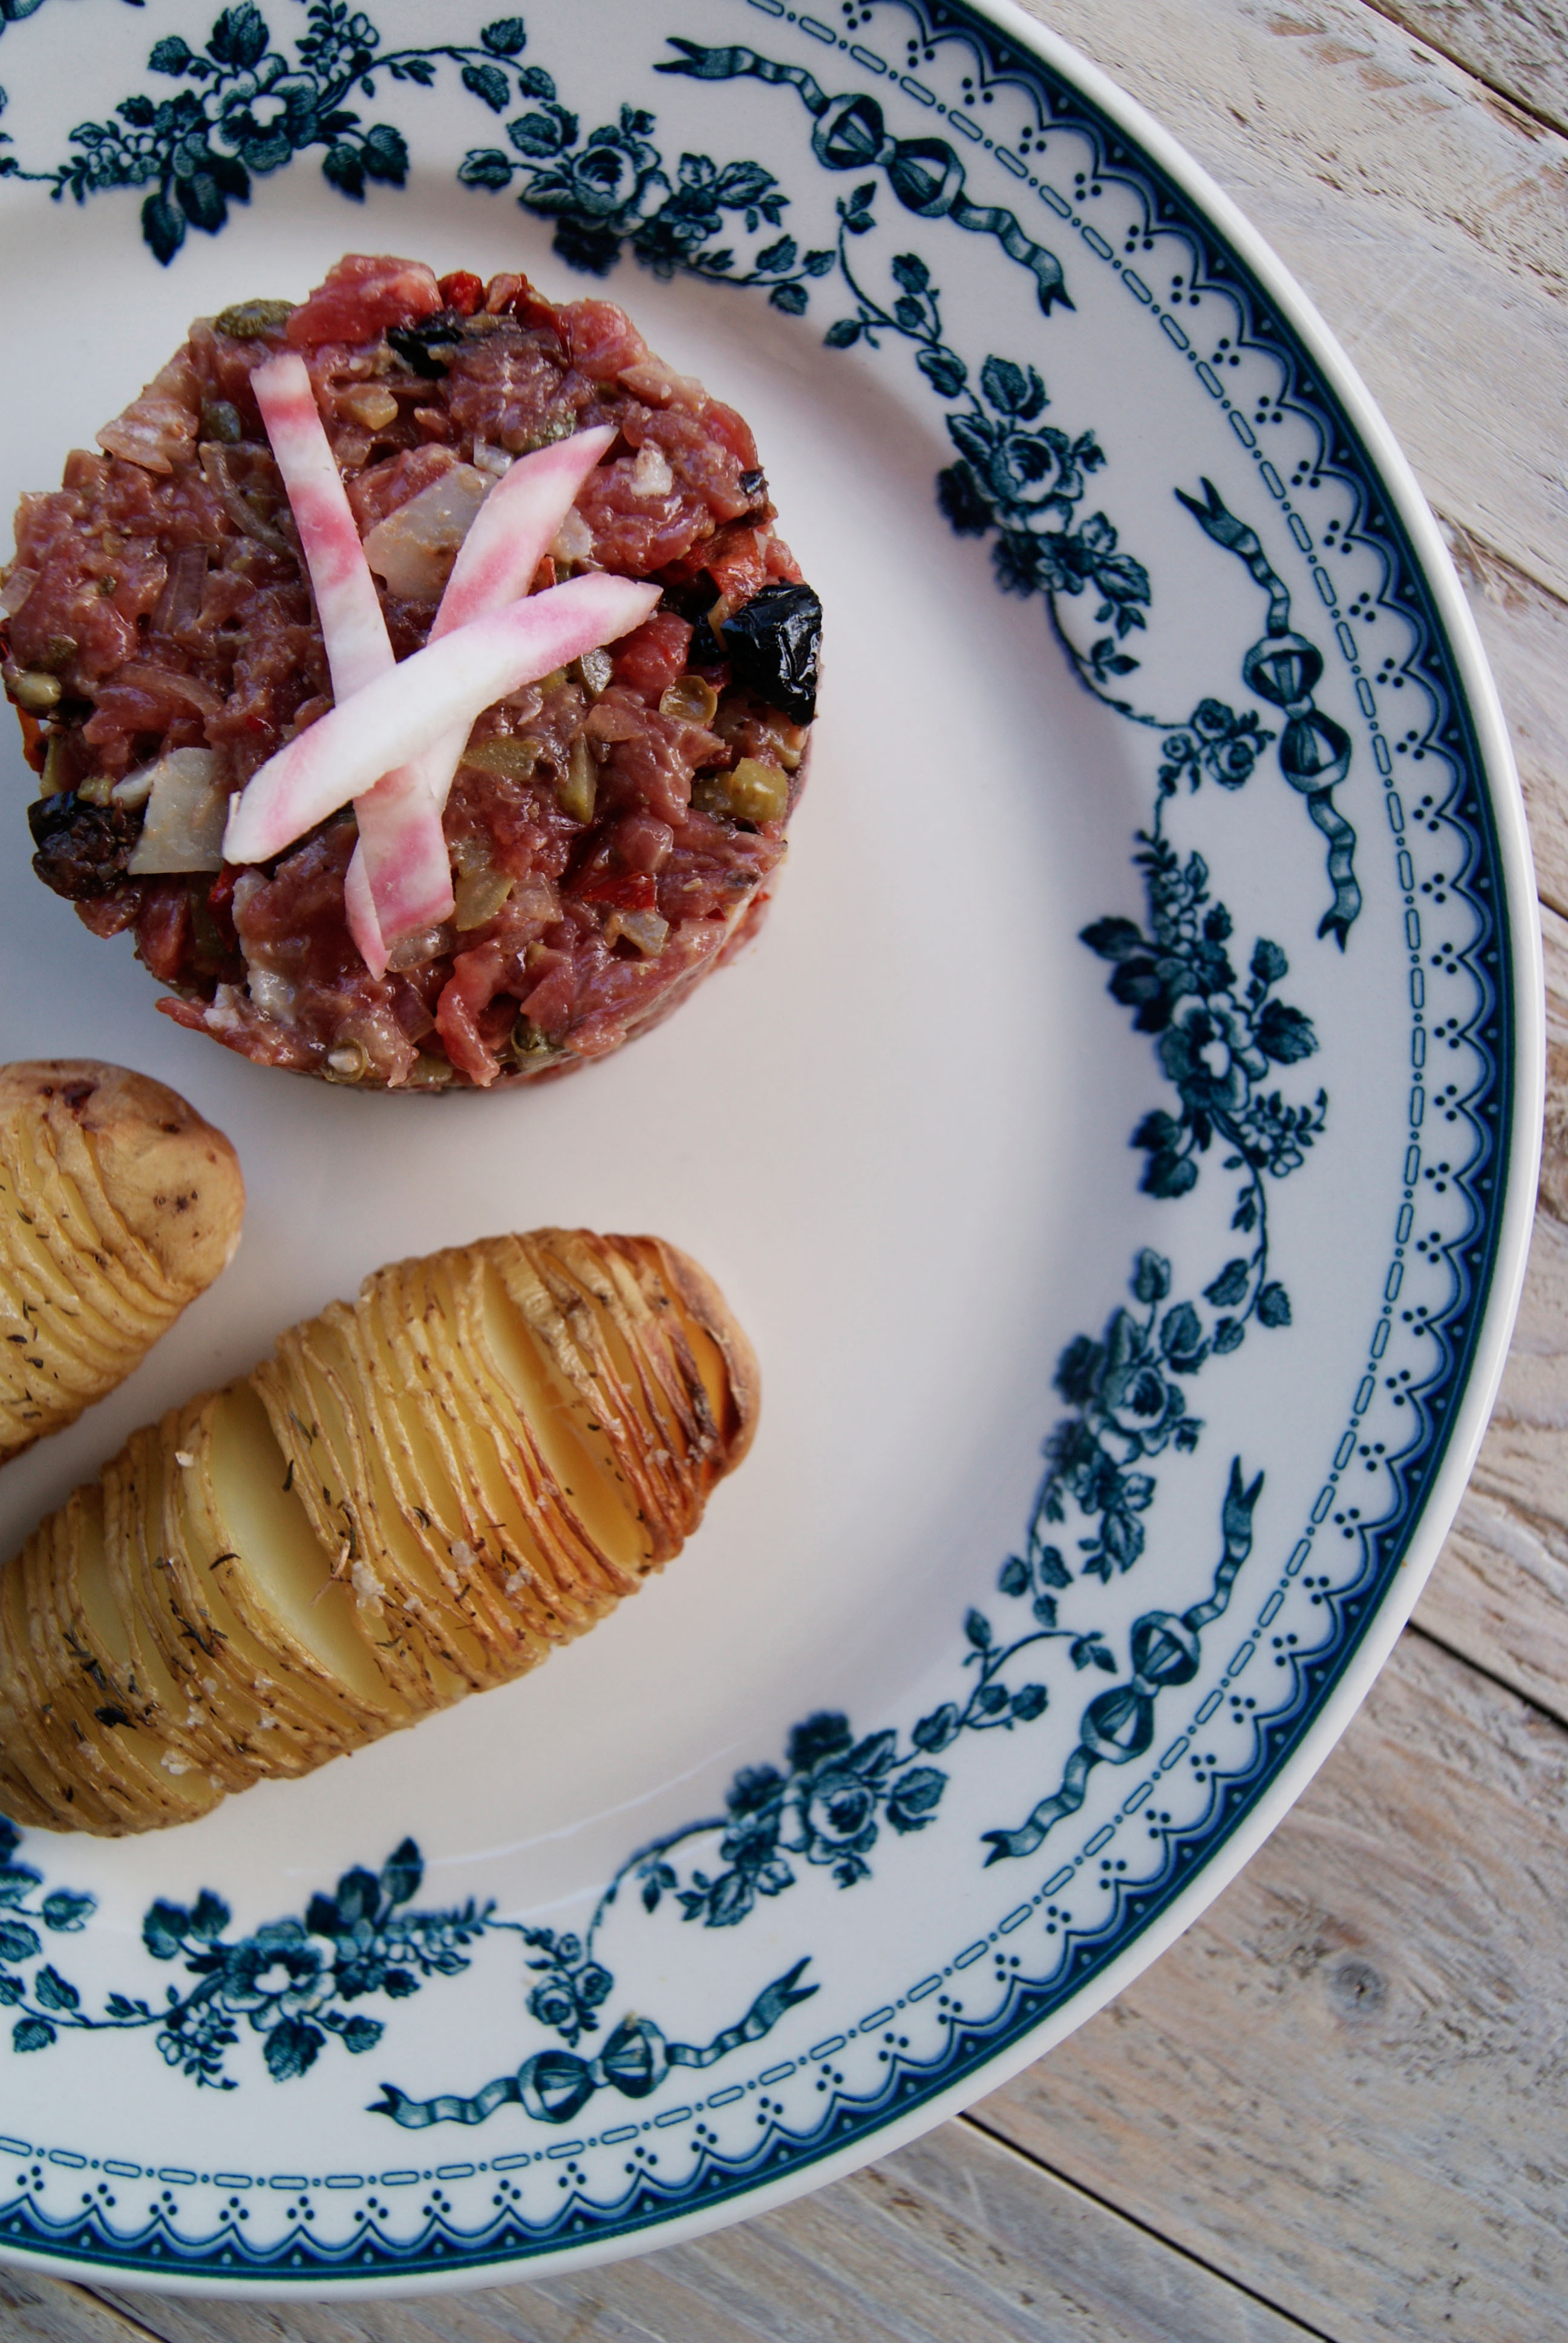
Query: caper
column 221, row 421
column 758, row 792
column 350, row 1062
column 752, row 792
column 689, row 700
column 31, row 688
column 247, row 321
column 528, row 1041
column 522, row 441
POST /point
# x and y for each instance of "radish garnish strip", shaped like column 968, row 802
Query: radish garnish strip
column 401, row 863
column 449, row 682
column 353, row 629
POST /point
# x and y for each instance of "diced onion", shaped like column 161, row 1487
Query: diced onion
column 412, row 549
column 645, row 929
column 651, row 474
column 18, row 585
column 185, row 814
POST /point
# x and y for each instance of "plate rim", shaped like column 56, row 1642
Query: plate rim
column 1460, row 1444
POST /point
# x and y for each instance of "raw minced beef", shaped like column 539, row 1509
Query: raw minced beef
column 612, row 830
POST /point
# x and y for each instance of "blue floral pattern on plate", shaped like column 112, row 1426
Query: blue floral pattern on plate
column 1227, row 1044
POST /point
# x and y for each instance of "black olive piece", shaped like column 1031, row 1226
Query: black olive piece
column 691, row 598
column 754, row 485
column 413, row 345
column 773, row 646
column 704, row 650
column 83, row 849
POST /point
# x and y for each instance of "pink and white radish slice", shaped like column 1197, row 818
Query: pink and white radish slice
column 399, row 879
column 358, row 648
column 396, row 863
column 447, row 683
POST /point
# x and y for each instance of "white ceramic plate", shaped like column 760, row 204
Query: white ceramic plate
column 1202, row 835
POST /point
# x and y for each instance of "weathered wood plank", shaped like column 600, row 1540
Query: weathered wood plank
column 1525, row 632
column 1517, row 46
column 1499, row 1593
column 1426, row 218
column 1346, row 2085
column 42, row 2310
column 955, row 2237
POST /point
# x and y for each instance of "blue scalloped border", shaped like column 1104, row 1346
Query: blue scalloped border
column 298, row 2255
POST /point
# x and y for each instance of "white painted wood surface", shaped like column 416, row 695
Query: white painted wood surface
column 1338, row 2108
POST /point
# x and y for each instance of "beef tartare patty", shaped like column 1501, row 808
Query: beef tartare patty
column 612, row 829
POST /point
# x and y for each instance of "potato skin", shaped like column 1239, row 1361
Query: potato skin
column 420, row 1494
column 118, row 1205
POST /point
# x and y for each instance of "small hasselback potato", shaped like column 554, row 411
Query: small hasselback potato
column 118, row 1205
column 417, row 1496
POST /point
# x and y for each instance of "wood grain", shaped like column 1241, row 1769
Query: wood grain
column 1524, row 631
column 957, row 2238
column 1518, row 47
column 1347, row 2085
column 42, row 2310
column 1426, row 219
column 1499, row 1595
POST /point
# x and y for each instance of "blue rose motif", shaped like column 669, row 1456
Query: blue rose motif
column 593, row 1984
column 268, row 115
column 279, row 1972
column 1211, row 1057
column 839, row 1817
column 602, row 184
column 1135, row 1393
column 552, row 2004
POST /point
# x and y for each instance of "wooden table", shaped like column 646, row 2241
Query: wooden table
column 1339, row 2107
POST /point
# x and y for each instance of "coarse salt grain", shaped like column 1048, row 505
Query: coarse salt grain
column 366, row 1583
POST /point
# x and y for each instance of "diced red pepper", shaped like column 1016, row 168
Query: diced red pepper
column 164, row 927
column 220, row 903
column 34, row 746
column 736, row 562
column 462, row 291
column 515, row 295
column 627, row 891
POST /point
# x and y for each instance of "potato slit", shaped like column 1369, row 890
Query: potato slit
column 419, row 1494
column 280, row 1555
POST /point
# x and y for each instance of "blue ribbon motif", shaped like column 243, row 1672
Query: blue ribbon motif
column 925, row 174
column 1118, row 1727
column 1283, row 669
column 553, row 2086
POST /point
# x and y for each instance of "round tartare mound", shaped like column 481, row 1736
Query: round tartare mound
column 612, row 829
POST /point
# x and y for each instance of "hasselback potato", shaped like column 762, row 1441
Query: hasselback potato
column 416, row 1497
column 118, row 1205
